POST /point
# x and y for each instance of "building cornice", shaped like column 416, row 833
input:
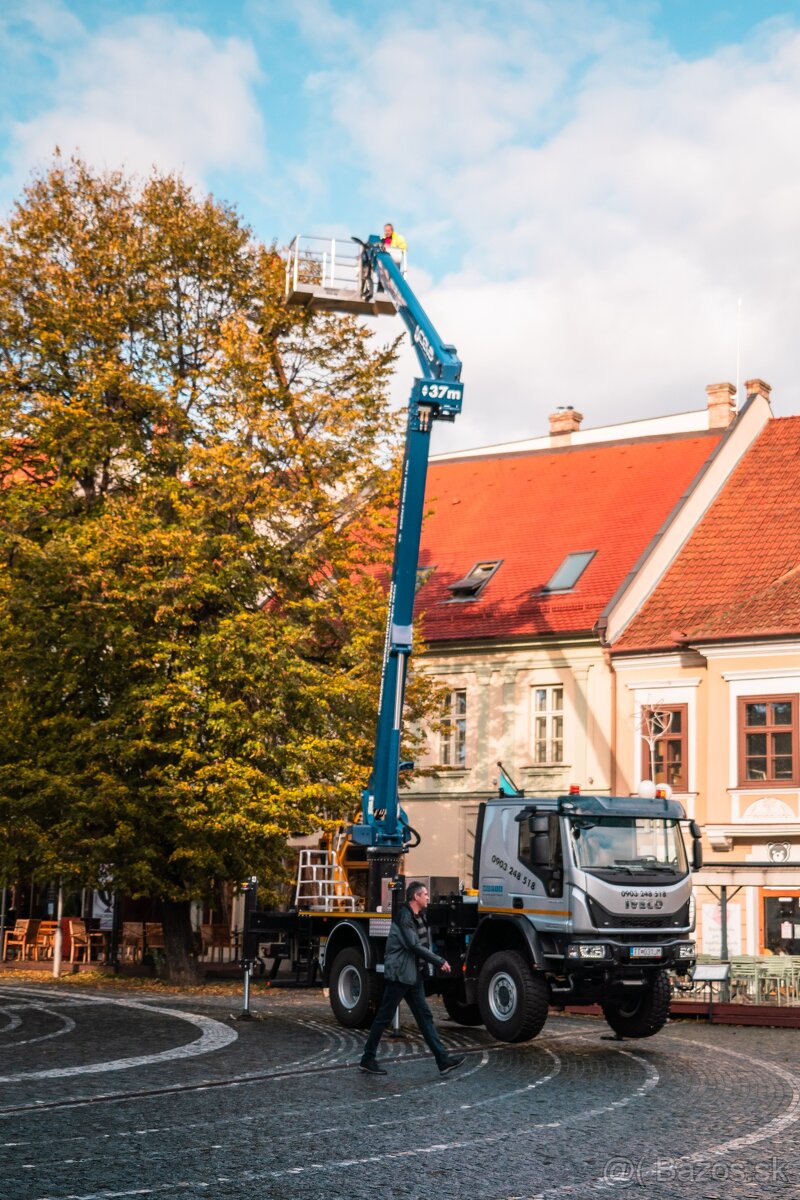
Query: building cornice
column 678, row 660
column 749, row 649
column 494, row 646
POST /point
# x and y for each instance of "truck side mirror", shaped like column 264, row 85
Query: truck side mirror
column 540, row 841
column 697, row 854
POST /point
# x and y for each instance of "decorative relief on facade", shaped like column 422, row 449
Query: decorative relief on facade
column 769, row 808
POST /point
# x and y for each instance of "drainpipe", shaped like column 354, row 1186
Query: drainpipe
column 612, row 733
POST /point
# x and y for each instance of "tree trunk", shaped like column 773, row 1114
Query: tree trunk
column 182, row 966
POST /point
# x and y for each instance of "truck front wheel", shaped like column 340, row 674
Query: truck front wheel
column 513, row 999
column 353, row 990
column 644, row 1013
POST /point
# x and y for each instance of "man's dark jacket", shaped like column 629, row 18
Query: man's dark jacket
column 405, row 948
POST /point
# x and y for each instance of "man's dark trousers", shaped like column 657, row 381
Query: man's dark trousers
column 414, row 996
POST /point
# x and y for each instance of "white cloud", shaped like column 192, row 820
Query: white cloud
column 50, row 20
column 610, row 202
column 145, row 92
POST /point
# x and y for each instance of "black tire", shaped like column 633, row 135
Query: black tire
column 354, row 991
column 459, row 1010
column 644, row 1013
column 513, row 1000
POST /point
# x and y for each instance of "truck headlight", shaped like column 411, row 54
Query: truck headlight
column 686, row 950
column 589, row 950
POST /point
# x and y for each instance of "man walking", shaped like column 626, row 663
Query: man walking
column 408, row 950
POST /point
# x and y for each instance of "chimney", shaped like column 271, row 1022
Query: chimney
column 721, row 404
column 757, row 387
column 564, row 420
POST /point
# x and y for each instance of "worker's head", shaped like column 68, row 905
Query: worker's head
column 417, row 896
column 388, row 230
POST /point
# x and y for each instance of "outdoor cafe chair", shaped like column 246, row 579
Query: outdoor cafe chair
column 45, row 940
column 780, row 980
column 21, row 938
column 84, row 940
column 154, row 935
column 132, row 937
column 215, row 937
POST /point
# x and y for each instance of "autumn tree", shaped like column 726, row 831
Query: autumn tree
column 193, row 479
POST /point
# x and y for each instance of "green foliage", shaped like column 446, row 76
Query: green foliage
column 192, row 478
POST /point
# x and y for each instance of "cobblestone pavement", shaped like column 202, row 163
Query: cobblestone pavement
column 105, row 1095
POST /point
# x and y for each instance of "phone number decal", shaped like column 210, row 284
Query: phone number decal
column 520, row 876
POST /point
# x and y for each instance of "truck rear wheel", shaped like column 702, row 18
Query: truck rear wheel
column 458, row 1009
column 513, row 999
column 644, row 1013
column 353, row 990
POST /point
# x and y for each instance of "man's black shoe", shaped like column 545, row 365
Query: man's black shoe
column 449, row 1064
column 373, row 1067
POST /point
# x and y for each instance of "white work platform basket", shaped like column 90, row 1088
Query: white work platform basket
column 324, row 274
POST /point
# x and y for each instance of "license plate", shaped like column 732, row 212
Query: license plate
column 645, row 952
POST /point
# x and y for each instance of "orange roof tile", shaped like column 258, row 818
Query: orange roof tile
column 738, row 575
column 533, row 509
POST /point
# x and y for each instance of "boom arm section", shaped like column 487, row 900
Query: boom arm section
column 436, row 396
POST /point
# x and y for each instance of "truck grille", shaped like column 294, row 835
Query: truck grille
column 603, row 919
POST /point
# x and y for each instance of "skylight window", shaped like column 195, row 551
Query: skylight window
column 570, row 571
column 473, row 583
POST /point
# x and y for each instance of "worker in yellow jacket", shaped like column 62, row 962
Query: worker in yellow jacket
column 396, row 244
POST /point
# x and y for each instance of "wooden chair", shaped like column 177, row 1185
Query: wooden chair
column 154, row 935
column 215, row 937
column 83, row 941
column 132, row 938
column 45, row 940
column 21, row 938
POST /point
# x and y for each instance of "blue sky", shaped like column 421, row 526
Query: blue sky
column 588, row 188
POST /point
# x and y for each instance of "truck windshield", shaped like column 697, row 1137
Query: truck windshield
column 628, row 845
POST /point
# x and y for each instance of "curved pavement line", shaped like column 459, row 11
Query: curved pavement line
column 303, row 1066
column 67, row 1027
column 214, row 1036
column 772, row 1127
column 14, row 1021
column 393, row 1155
column 641, row 1174
column 651, row 1081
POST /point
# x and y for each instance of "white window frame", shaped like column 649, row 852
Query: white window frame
column 775, row 681
column 550, row 715
column 453, row 734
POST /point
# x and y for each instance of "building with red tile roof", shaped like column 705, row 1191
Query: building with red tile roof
column 528, row 512
column 738, row 576
column 713, row 648
column 529, row 554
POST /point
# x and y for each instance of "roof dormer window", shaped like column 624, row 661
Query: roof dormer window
column 473, row 583
column 569, row 572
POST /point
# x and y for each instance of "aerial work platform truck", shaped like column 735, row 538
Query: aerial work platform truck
column 574, row 900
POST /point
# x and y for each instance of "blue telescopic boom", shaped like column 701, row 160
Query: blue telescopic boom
column 436, row 396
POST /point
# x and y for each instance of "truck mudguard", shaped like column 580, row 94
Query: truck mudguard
column 347, row 933
column 501, row 933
